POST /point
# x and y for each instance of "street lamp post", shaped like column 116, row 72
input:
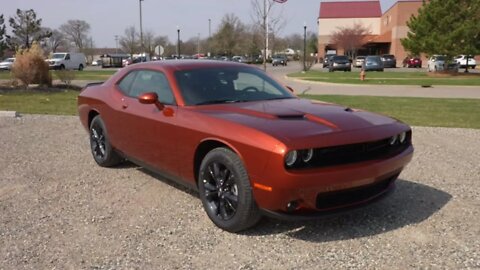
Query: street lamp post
column 116, row 44
column 304, row 46
column 141, row 26
column 178, row 42
column 209, row 35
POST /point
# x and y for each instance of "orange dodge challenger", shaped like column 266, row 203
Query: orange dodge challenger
column 246, row 143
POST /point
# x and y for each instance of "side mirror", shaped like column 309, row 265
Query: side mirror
column 150, row 98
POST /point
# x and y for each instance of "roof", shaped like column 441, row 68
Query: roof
column 350, row 9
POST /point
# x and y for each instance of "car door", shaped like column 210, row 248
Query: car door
column 148, row 134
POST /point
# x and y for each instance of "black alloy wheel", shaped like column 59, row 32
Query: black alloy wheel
column 102, row 151
column 225, row 191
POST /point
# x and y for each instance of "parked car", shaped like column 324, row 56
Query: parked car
column 279, row 60
column 359, row 61
column 462, row 61
column 239, row 59
column 339, row 62
column 373, row 63
column 246, row 143
column 326, row 60
column 436, row 63
column 127, row 61
column 97, row 62
column 7, row 64
column 414, row 62
column 389, row 61
column 65, row 60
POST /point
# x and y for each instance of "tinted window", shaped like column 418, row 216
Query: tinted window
column 151, row 81
column 224, row 85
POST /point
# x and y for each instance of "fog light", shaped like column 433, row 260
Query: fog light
column 291, row 158
column 292, row 206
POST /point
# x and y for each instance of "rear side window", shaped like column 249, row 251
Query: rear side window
column 126, row 82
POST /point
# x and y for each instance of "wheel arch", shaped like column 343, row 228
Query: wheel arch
column 91, row 115
column 206, row 146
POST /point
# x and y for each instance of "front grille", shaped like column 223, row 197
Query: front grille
column 347, row 197
column 352, row 153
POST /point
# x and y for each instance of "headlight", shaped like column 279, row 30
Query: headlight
column 291, row 158
column 393, row 140
column 402, row 137
column 307, row 155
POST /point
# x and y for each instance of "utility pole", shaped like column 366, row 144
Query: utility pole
column 265, row 23
column 304, row 46
column 178, row 42
column 141, row 27
column 209, row 35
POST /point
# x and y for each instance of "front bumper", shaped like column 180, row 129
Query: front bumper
column 332, row 188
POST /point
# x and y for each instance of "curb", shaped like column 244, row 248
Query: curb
column 12, row 114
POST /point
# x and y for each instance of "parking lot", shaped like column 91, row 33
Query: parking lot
column 61, row 211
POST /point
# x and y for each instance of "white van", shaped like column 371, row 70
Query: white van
column 65, row 60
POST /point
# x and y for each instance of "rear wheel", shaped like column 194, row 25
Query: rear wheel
column 225, row 191
column 80, row 67
column 102, row 150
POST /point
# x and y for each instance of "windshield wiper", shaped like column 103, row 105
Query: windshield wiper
column 220, row 101
column 279, row 98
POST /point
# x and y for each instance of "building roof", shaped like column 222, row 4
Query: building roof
column 350, row 9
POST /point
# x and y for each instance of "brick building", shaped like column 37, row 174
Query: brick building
column 386, row 28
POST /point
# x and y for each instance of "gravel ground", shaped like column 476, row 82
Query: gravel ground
column 61, row 211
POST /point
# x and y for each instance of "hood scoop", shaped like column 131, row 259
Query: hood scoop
column 291, row 116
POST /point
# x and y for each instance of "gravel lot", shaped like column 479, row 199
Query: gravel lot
column 61, row 211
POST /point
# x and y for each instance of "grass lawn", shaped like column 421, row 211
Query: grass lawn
column 390, row 78
column 40, row 102
column 90, row 75
column 434, row 112
column 431, row 112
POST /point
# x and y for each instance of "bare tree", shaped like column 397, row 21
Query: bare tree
column 76, row 31
column 3, row 38
column 229, row 38
column 130, row 42
column 52, row 43
column 149, row 42
column 350, row 39
column 271, row 23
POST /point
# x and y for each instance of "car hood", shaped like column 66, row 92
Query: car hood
column 293, row 119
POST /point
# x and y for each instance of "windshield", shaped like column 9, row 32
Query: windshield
column 228, row 85
column 340, row 57
column 9, row 60
column 58, row 56
column 440, row 58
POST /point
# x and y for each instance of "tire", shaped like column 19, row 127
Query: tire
column 62, row 67
column 80, row 67
column 101, row 149
column 225, row 191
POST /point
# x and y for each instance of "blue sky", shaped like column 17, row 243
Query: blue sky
column 108, row 18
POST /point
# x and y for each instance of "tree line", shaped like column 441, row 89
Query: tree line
column 232, row 37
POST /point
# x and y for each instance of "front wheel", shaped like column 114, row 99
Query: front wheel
column 102, row 150
column 225, row 191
